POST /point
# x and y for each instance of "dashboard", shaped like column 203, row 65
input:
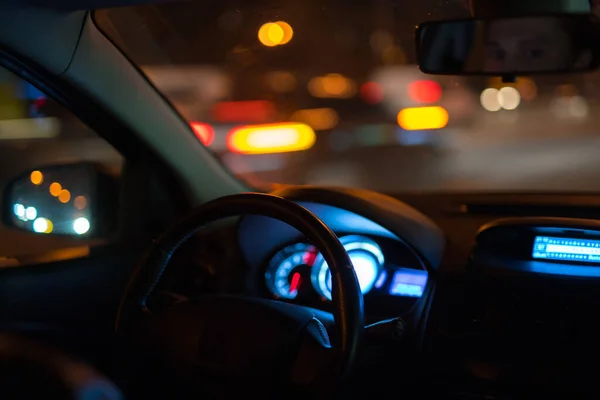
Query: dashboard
column 504, row 288
column 392, row 271
column 384, row 267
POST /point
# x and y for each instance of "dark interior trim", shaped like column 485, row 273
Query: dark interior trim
column 107, row 125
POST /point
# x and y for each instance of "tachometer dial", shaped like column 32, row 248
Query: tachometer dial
column 289, row 270
column 367, row 259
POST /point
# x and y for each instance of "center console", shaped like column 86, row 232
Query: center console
column 527, row 314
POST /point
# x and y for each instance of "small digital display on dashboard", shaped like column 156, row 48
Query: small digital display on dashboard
column 566, row 249
column 408, row 282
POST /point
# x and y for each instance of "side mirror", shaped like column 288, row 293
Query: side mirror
column 71, row 200
column 510, row 46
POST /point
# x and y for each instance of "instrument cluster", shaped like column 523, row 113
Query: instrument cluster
column 383, row 266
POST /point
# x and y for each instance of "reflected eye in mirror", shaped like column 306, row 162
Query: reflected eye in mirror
column 61, row 200
column 509, row 46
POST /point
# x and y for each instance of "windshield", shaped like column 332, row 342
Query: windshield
column 328, row 92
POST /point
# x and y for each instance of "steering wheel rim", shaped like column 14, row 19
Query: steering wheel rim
column 346, row 294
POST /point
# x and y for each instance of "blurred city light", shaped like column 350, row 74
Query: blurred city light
column 578, row 107
column 566, row 90
column 271, row 138
column 31, row 213
column 509, row 98
column 564, row 107
column 30, row 128
column 19, row 210
column 43, row 225
column 81, row 225
column 270, row 34
column 288, row 32
column 64, row 196
column 55, row 189
column 80, row 202
column 319, row 119
column 280, row 81
column 425, row 91
column 204, row 132
column 527, row 88
column 489, row 99
column 275, row 33
column 423, row 118
column 244, row 111
column 36, row 177
column 371, row 93
column 332, row 86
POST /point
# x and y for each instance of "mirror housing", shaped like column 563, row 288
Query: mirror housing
column 505, row 8
column 509, row 46
column 77, row 199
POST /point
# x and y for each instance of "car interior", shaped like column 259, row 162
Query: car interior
column 169, row 277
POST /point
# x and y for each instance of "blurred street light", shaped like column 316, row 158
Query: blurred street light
column 274, row 34
column 332, row 86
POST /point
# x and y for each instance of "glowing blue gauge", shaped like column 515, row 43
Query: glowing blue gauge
column 367, row 259
column 288, row 270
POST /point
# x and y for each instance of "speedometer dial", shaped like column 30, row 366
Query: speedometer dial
column 289, row 270
column 367, row 259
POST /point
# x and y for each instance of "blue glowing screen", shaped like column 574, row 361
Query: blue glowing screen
column 408, row 282
column 566, row 249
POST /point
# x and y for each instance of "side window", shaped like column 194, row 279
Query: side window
column 55, row 175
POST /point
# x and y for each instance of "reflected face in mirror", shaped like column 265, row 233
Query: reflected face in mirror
column 513, row 46
column 532, row 44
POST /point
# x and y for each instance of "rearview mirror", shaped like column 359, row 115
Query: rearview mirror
column 509, row 46
column 73, row 199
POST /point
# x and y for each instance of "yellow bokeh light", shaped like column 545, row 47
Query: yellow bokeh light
column 263, row 35
column 319, row 119
column 281, row 81
column 64, row 196
column 335, row 84
column 50, row 226
column 332, row 86
column 288, row 32
column 55, row 189
column 423, row 118
column 80, row 202
column 271, row 138
column 36, row 177
column 42, row 225
column 275, row 33
column 270, row 34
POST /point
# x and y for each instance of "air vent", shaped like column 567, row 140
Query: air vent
column 516, row 209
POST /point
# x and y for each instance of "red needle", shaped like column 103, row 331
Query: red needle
column 295, row 282
column 309, row 257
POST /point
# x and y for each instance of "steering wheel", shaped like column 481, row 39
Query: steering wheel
column 235, row 335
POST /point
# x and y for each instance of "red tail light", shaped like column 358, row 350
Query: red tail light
column 204, row 132
column 244, row 111
column 425, row 91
